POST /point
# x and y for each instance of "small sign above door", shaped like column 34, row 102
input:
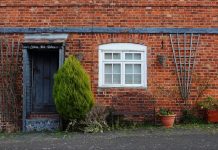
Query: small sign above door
column 30, row 46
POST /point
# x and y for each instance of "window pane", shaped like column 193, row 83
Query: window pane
column 128, row 68
column 116, row 56
column 137, row 56
column 137, row 68
column 116, row 68
column 108, row 78
column 128, row 56
column 108, row 55
column 128, row 79
column 108, row 68
column 116, row 78
column 137, row 79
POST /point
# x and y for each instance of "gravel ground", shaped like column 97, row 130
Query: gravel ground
column 138, row 139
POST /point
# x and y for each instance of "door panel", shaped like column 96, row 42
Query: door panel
column 45, row 64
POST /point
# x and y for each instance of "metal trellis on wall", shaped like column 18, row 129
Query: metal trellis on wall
column 184, row 52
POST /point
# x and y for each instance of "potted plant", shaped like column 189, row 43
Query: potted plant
column 210, row 105
column 167, row 117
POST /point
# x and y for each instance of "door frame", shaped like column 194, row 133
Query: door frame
column 27, row 47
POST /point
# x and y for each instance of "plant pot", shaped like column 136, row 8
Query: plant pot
column 168, row 120
column 212, row 116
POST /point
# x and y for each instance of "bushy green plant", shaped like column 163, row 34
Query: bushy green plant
column 72, row 90
column 209, row 103
column 165, row 112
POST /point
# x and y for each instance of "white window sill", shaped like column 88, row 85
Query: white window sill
column 122, row 87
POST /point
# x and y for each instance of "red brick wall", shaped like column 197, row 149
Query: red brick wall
column 131, row 13
column 141, row 100
column 138, row 100
column 117, row 13
column 110, row 2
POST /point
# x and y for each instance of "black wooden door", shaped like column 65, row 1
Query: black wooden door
column 44, row 65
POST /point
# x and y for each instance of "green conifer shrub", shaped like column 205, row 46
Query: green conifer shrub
column 72, row 90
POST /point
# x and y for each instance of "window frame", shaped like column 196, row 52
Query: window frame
column 122, row 48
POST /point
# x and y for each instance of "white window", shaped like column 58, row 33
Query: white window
column 122, row 65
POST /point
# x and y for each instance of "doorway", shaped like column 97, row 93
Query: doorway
column 40, row 62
